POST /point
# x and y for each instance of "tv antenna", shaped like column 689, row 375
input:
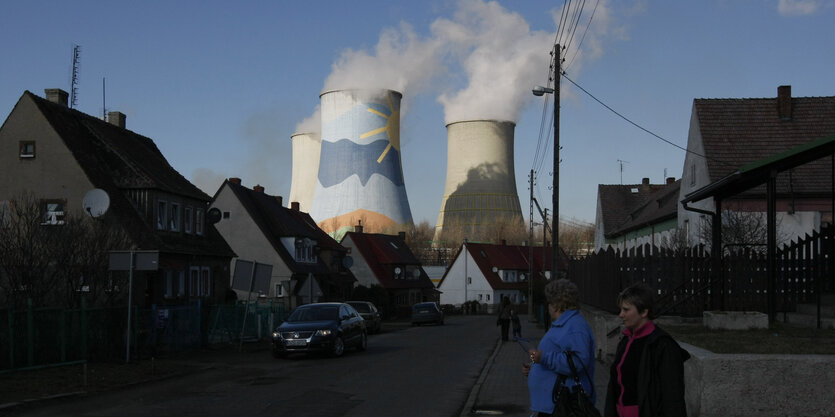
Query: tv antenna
column 76, row 61
column 621, row 161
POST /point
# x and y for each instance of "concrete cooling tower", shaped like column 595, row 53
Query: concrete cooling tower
column 306, row 148
column 480, row 178
column 360, row 174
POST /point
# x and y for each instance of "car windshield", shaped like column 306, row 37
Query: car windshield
column 361, row 307
column 314, row 313
column 424, row 305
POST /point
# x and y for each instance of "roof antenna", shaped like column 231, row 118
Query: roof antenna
column 103, row 106
column 621, row 169
column 76, row 60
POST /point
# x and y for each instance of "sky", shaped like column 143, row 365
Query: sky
column 222, row 86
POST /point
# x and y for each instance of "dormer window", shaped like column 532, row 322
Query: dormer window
column 27, row 149
column 53, row 212
column 305, row 250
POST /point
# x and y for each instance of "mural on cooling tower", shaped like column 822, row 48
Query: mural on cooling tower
column 360, row 175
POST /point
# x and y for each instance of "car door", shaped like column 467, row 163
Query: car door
column 348, row 323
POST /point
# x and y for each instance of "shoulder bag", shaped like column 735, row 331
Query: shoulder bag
column 575, row 403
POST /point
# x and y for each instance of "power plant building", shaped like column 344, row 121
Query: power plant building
column 306, row 149
column 360, row 176
column 480, row 179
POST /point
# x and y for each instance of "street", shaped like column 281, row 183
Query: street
column 419, row 371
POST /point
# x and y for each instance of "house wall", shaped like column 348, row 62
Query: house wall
column 360, row 268
column 660, row 235
column 694, row 176
column 599, row 232
column 247, row 240
column 453, row 288
column 52, row 173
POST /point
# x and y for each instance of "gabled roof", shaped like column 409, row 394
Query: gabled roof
column 383, row 253
column 276, row 221
column 117, row 160
column 618, row 202
column 657, row 207
column 736, row 132
column 508, row 257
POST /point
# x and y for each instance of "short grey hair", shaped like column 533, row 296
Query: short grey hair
column 563, row 293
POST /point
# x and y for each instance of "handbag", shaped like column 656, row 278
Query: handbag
column 575, row 403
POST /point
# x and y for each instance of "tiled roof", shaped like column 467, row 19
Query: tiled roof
column 618, row 202
column 385, row 252
column 509, row 257
column 659, row 206
column 116, row 160
column 739, row 131
column 277, row 221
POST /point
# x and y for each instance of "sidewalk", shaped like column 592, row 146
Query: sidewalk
column 501, row 389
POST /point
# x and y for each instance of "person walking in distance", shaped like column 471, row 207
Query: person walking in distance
column 504, row 317
column 517, row 325
column 647, row 377
column 569, row 331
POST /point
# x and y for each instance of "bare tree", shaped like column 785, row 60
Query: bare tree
column 740, row 229
column 576, row 238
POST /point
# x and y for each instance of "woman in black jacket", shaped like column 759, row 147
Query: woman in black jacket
column 647, row 376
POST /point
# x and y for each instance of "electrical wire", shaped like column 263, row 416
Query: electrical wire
column 583, row 38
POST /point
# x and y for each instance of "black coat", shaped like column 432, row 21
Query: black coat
column 660, row 377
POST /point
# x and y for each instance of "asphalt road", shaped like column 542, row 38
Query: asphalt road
column 419, row 371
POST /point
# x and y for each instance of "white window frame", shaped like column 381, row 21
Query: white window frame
column 188, row 222
column 205, row 281
column 199, row 221
column 25, row 151
column 194, row 281
column 53, row 212
column 279, row 290
column 174, row 217
column 162, row 214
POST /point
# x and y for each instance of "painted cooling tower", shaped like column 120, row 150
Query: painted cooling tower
column 360, row 175
column 306, row 148
column 480, row 178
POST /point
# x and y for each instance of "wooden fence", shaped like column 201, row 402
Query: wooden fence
column 687, row 286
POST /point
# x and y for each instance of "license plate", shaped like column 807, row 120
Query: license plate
column 424, row 311
column 297, row 342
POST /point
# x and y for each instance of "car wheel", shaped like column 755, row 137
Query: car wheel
column 338, row 347
column 363, row 344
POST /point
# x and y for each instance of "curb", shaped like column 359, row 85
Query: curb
column 468, row 406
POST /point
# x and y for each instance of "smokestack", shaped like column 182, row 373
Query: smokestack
column 402, row 236
column 480, row 178
column 294, row 206
column 258, row 189
column 235, row 180
column 784, row 102
column 360, row 173
column 57, row 95
column 306, row 149
column 358, row 227
column 116, row 118
column 279, row 199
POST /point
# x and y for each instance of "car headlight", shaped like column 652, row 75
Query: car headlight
column 324, row 332
column 276, row 335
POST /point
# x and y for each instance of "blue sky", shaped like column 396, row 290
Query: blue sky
column 221, row 86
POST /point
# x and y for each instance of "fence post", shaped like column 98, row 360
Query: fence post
column 30, row 333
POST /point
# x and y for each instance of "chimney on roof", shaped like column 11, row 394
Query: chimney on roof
column 358, row 227
column 280, row 200
column 258, row 189
column 294, row 206
column 671, row 180
column 784, row 102
column 116, row 118
column 57, row 95
column 402, row 236
column 235, row 180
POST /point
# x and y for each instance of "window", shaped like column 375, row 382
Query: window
column 469, row 280
column 174, row 219
column 305, row 250
column 194, row 281
column 53, row 212
column 168, row 277
column 279, row 290
column 198, row 220
column 189, row 219
column 693, row 174
column 181, row 283
column 488, row 297
column 205, row 281
column 27, row 149
column 162, row 214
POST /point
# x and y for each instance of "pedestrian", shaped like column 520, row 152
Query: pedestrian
column 569, row 331
column 517, row 325
column 503, row 318
column 647, row 377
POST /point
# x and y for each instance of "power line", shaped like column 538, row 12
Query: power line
column 588, row 25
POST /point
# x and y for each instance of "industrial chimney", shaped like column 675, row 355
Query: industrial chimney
column 480, row 178
column 306, row 149
column 360, row 174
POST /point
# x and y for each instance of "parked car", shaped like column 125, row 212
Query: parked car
column 368, row 311
column 427, row 313
column 320, row 327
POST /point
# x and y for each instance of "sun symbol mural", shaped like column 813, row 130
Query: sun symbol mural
column 392, row 129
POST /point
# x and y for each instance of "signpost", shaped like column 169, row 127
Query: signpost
column 132, row 261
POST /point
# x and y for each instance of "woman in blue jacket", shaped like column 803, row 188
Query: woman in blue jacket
column 568, row 331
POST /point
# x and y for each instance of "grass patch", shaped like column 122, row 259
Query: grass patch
column 779, row 339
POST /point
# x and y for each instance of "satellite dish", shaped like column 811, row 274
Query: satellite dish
column 416, row 273
column 213, row 215
column 96, row 202
column 397, row 271
column 495, row 269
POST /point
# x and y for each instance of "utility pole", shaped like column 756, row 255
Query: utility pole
column 530, row 254
column 555, row 223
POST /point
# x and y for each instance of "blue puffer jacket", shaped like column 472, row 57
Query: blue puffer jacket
column 569, row 332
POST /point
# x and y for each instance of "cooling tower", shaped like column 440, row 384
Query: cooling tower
column 306, row 148
column 360, row 174
column 480, row 180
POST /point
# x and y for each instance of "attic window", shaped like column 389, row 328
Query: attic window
column 483, row 255
column 27, row 149
column 393, row 245
column 634, row 190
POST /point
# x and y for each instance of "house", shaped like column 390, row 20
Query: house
column 60, row 154
column 636, row 214
column 726, row 134
column 306, row 264
column 386, row 260
column 495, row 271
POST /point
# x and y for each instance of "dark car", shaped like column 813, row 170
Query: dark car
column 320, row 327
column 368, row 311
column 427, row 313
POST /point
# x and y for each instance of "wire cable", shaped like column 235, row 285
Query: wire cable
column 583, row 38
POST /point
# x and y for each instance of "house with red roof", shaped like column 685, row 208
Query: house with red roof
column 485, row 273
column 306, row 265
column 386, row 260
column 726, row 134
